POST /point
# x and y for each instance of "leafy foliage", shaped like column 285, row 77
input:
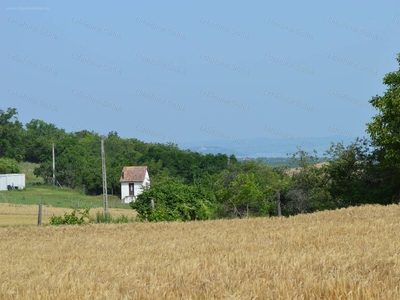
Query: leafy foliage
column 82, row 217
column 248, row 189
column 175, row 201
column 11, row 135
column 8, row 165
column 384, row 130
column 72, row 218
column 307, row 190
column 39, row 137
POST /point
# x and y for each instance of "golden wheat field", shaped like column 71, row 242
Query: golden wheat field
column 344, row 254
column 25, row 215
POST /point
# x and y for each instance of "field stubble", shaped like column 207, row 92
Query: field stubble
column 344, row 254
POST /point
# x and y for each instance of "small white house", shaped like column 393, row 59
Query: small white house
column 133, row 180
column 12, row 181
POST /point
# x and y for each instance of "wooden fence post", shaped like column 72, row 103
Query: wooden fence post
column 40, row 215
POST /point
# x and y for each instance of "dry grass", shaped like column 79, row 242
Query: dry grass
column 19, row 214
column 345, row 254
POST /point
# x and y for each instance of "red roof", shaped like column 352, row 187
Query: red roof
column 133, row 173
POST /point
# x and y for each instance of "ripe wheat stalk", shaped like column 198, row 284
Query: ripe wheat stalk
column 344, row 254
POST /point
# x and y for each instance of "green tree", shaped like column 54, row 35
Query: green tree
column 78, row 162
column 11, row 135
column 246, row 194
column 248, row 188
column 384, row 130
column 307, row 190
column 351, row 174
column 39, row 137
column 8, row 165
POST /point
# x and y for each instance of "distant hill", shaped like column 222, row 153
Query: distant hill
column 267, row 147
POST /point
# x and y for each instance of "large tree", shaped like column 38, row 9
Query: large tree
column 39, row 137
column 11, row 135
column 384, row 129
column 385, row 126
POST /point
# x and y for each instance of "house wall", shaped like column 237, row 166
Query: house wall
column 146, row 181
column 138, row 189
column 10, row 179
column 124, row 189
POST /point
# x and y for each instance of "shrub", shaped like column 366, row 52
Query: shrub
column 175, row 201
column 8, row 165
column 72, row 218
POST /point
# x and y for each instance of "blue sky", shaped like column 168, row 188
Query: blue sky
column 187, row 71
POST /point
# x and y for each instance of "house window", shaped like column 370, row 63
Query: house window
column 131, row 189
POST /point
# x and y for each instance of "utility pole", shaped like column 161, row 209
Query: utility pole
column 103, row 161
column 54, row 167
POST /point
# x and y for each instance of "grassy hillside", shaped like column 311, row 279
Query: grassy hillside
column 57, row 197
column 344, row 254
column 36, row 192
column 27, row 168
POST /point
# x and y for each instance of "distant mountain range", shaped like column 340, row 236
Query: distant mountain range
column 267, row 147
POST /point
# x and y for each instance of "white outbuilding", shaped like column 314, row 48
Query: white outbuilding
column 12, row 181
column 133, row 180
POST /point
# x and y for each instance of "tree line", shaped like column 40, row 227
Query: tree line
column 187, row 185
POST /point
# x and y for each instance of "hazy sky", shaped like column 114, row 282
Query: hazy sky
column 188, row 71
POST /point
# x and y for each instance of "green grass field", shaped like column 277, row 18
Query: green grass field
column 36, row 192
column 57, row 197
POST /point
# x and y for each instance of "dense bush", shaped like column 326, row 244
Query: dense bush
column 72, row 218
column 175, row 201
column 8, row 165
